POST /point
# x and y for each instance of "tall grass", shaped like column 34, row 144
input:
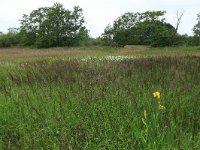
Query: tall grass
column 102, row 105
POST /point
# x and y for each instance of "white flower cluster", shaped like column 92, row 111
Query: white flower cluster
column 110, row 58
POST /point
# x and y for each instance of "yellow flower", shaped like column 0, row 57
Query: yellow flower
column 145, row 114
column 156, row 95
column 162, row 107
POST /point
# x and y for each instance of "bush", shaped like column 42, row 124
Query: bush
column 8, row 40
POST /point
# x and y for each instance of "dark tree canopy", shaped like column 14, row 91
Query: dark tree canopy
column 56, row 27
column 53, row 26
column 148, row 28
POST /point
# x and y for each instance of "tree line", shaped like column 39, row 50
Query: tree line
column 56, row 27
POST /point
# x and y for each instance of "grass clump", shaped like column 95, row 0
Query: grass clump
column 102, row 105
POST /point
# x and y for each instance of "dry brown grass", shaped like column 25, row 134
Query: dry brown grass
column 32, row 54
column 136, row 48
column 197, row 54
column 27, row 53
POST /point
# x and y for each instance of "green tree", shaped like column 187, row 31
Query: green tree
column 196, row 28
column 9, row 39
column 195, row 40
column 107, row 36
column 148, row 28
column 53, row 26
column 155, row 33
column 27, row 31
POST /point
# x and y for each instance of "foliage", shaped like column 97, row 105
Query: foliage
column 57, row 27
column 53, row 26
column 196, row 28
column 9, row 39
column 195, row 40
column 188, row 40
column 107, row 36
column 146, row 28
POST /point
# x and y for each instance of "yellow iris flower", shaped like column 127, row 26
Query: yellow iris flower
column 156, row 95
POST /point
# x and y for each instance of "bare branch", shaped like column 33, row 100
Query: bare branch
column 178, row 17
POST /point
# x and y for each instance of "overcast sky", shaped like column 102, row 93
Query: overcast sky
column 99, row 13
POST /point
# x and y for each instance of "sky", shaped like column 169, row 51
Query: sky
column 99, row 13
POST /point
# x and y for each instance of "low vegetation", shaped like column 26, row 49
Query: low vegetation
column 130, row 101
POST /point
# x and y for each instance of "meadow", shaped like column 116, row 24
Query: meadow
column 100, row 98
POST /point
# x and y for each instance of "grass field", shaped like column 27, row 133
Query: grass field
column 100, row 98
